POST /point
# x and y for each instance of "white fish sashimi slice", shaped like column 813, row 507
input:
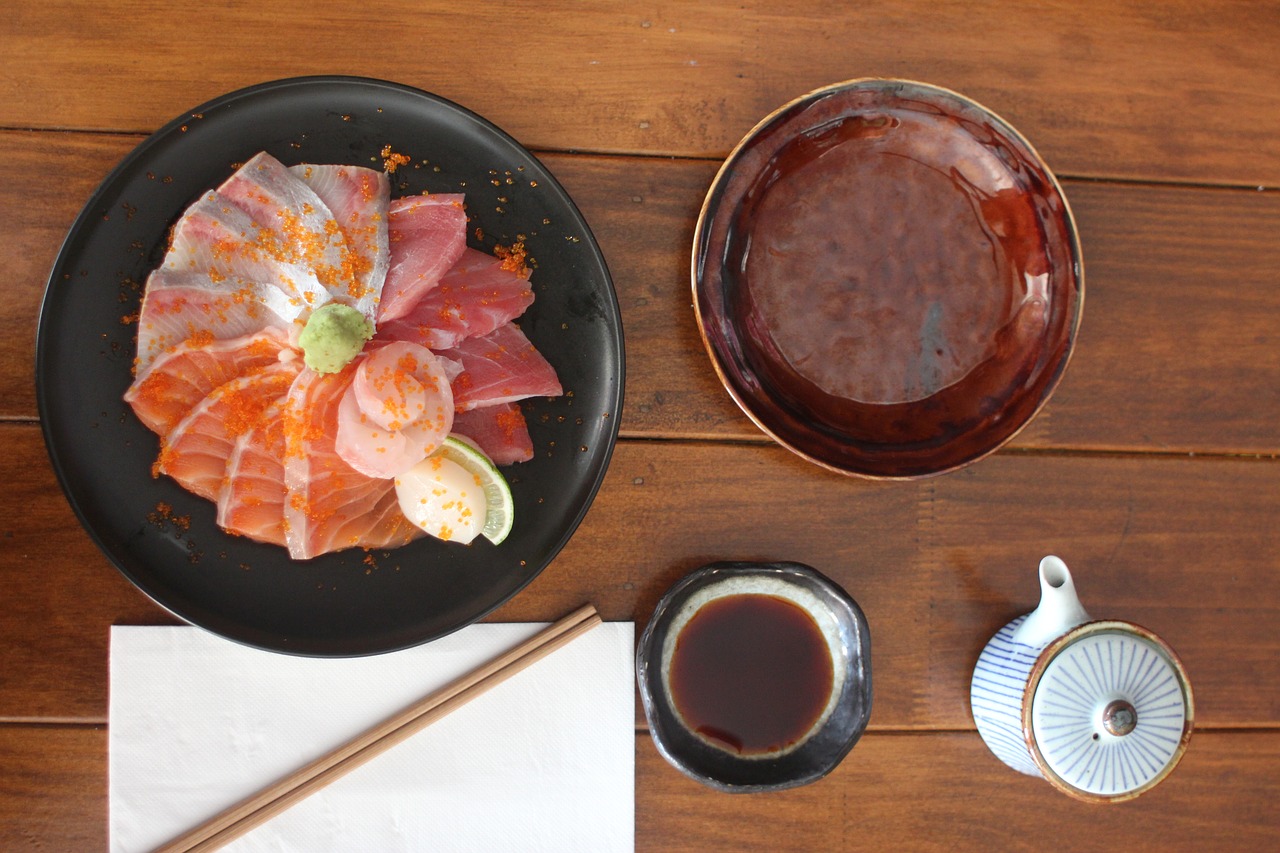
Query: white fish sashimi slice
column 397, row 411
column 306, row 230
column 216, row 237
column 358, row 198
column 186, row 306
column 427, row 236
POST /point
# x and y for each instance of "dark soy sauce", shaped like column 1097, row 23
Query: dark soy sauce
column 751, row 673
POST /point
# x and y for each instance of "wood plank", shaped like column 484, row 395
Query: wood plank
column 946, row 792
column 1186, row 547
column 53, row 787
column 1180, row 315
column 935, row 791
column 1168, row 92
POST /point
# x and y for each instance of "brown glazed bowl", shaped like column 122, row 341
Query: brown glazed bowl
column 888, row 278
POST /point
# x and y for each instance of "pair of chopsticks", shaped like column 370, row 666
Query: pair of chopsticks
column 287, row 792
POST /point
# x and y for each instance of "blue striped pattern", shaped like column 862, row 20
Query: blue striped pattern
column 1066, row 713
column 999, row 680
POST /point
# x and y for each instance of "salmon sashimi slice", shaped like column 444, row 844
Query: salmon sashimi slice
column 178, row 380
column 330, row 505
column 397, row 411
column 427, row 235
column 477, row 295
column 188, row 307
column 499, row 431
column 302, row 226
column 216, row 237
column 251, row 502
column 196, row 450
column 358, row 199
column 500, row 367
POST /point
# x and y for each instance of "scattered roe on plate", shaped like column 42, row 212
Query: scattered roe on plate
column 391, row 160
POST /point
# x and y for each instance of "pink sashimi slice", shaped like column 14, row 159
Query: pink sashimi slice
column 427, row 235
column 305, row 229
column 183, row 306
column 477, row 295
column 218, row 238
column 358, row 198
column 178, row 380
column 196, row 450
column 251, row 502
column 397, row 411
column 500, row 431
column 330, row 505
column 500, row 367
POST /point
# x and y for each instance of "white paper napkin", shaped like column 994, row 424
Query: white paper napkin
column 543, row 761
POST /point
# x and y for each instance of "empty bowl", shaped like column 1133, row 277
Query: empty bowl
column 888, row 278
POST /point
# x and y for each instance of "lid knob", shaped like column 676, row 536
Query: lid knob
column 1119, row 718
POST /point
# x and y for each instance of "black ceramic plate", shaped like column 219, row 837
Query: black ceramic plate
column 887, row 278
column 164, row 539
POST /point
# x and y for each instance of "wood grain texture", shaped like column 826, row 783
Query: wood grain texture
column 1173, row 91
column 920, row 792
column 1178, row 351
column 1187, row 548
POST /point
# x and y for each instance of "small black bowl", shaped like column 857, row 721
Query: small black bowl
column 818, row 753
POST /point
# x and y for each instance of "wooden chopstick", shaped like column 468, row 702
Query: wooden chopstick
column 287, row 792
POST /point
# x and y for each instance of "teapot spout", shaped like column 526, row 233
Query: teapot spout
column 1059, row 611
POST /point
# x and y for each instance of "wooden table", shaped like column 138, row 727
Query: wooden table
column 1153, row 471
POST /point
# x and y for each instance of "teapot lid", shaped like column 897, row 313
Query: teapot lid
column 1108, row 712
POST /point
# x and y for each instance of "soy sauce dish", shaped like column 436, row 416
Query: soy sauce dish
column 755, row 676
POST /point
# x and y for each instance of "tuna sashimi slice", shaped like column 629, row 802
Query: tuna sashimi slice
column 500, row 367
column 186, row 306
column 500, row 431
column 426, row 237
column 397, row 411
column 330, row 505
column 196, row 450
column 477, row 295
column 305, row 229
column 358, row 198
column 178, row 380
column 218, row 238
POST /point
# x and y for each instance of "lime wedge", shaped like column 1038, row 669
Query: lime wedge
column 500, row 509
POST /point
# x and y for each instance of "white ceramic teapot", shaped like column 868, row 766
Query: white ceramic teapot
column 1103, row 710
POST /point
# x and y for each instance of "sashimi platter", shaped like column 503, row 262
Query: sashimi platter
column 330, row 366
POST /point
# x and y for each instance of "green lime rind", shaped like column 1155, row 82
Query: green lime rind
column 500, row 508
